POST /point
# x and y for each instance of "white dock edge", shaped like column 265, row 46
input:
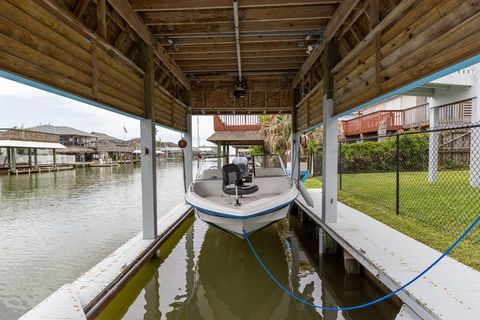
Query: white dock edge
column 451, row 290
column 71, row 300
column 407, row 314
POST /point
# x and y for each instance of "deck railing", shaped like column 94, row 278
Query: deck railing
column 236, row 123
column 26, row 135
column 415, row 117
column 457, row 113
column 370, row 123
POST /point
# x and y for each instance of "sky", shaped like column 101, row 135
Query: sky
column 25, row 106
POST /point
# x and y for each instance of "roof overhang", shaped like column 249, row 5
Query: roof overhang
column 30, row 144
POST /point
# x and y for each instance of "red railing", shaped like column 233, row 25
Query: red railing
column 236, row 123
column 370, row 123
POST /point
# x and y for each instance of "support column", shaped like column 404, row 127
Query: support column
column 295, row 151
column 35, row 158
column 433, row 144
column 330, row 139
column 219, row 154
column 13, row 159
column 29, row 157
column 54, row 158
column 330, row 163
column 9, row 158
column 188, row 155
column 475, row 133
column 148, row 149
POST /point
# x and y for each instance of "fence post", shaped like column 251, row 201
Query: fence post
column 397, row 198
column 340, row 163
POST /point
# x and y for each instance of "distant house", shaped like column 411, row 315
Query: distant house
column 79, row 143
column 109, row 147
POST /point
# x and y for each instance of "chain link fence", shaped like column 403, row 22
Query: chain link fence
column 432, row 176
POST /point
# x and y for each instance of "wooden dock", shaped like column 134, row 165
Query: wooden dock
column 449, row 291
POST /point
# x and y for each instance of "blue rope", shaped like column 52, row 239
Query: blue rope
column 361, row 306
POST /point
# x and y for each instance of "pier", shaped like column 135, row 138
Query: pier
column 163, row 62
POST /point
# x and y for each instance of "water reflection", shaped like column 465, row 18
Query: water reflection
column 205, row 273
column 55, row 226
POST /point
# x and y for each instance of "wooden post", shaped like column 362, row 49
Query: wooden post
column 35, row 158
column 9, row 158
column 102, row 18
column 54, row 158
column 295, row 150
column 148, row 155
column 13, row 159
column 330, row 140
column 326, row 244
column 188, row 154
column 351, row 265
column 29, row 157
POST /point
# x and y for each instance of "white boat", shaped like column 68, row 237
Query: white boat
column 242, row 195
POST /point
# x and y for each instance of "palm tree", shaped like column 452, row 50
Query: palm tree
column 276, row 131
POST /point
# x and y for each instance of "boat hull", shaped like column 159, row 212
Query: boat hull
column 236, row 226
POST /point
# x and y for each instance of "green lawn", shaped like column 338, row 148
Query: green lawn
column 435, row 214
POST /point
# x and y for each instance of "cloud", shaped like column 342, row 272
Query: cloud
column 25, row 106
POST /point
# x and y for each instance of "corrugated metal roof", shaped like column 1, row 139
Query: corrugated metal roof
column 30, row 144
column 62, row 130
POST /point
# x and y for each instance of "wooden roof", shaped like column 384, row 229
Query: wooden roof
column 165, row 58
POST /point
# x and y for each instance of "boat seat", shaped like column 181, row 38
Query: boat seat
column 232, row 176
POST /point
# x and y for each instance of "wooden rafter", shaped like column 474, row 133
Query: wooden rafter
column 102, row 18
column 341, row 14
column 125, row 9
column 246, row 15
column 177, row 5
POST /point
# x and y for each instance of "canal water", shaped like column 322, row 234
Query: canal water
column 205, row 273
column 56, row 226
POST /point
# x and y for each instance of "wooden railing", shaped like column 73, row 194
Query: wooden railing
column 370, row 123
column 236, row 123
column 457, row 113
column 416, row 117
column 26, row 135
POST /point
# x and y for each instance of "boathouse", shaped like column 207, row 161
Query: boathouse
column 79, row 143
column 26, row 151
column 162, row 61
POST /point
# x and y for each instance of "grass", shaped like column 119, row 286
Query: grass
column 435, row 214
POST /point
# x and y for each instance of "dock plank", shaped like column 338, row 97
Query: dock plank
column 451, row 290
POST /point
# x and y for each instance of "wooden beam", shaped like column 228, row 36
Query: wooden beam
column 233, row 61
column 80, row 8
column 339, row 17
column 247, row 15
column 245, row 55
column 175, row 5
column 102, row 18
column 328, row 62
column 374, row 13
column 149, row 80
column 341, row 14
column 248, row 67
column 394, row 14
column 125, row 10
column 244, row 39
column 266, row 46
column 219, row 28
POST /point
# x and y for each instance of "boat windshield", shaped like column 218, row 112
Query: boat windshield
column 210, row 168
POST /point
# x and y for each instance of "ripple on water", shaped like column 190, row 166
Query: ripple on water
column 56, row 226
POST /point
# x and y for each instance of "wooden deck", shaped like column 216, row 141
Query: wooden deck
column 449, row 291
